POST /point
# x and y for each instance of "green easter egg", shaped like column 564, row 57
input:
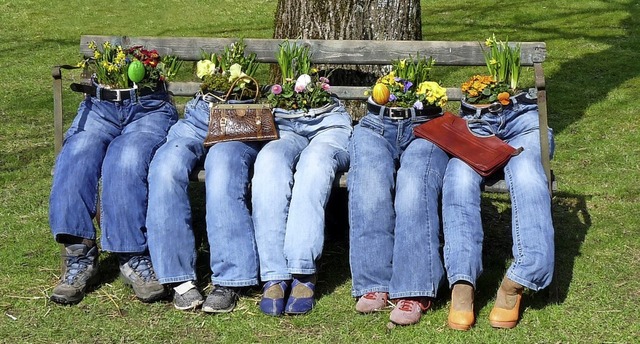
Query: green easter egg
column 136, row 71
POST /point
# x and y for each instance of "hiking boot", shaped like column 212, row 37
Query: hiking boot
column 81, row 269
column 301, row 299
column 138, row 273
column 186, row 296
column 273, row 294
column 221, row 300
column 409, row 311
column 371, row 302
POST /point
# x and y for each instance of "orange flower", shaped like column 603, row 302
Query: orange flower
column 503, row 98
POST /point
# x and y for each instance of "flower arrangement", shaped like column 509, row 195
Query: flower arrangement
column 116, row 67
column 219, row 72
column 408, row 85
column 301, row 87
column 503, row 66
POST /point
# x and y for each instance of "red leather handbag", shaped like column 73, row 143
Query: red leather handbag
column 485, row 154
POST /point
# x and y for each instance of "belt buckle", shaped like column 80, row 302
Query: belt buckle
column 495, row 107
column 398, row 109
column 118, row 95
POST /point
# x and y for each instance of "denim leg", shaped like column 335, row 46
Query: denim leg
column 315, row 171
column 417, row 268
column 125, row 170
column 169, row 221
column 271, row 192
column 462, row 223
column 234, row 256
column 371, row 184
column 74, row 192
column 532, row 227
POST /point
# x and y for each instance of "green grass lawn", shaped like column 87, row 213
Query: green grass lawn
column 592, row 76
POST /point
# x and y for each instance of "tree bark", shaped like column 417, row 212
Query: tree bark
column 349, row 19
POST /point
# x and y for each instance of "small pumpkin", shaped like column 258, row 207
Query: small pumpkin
column 380, row 94
column 136, row 71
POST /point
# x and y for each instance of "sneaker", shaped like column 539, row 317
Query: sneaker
column 301, row 299
column 221, row 300
column 81, row 269
column 186, row 296
column 273, row 294
column 409, row 311
column 371, row 302
column 138, row 273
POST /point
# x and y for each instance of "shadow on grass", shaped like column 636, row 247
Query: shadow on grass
column 571, row 223
column 333, row 266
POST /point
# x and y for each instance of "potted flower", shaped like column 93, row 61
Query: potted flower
column 115, row 67
column 301, row 88
column 229, row 74
column 501, row 83
column 407, row 86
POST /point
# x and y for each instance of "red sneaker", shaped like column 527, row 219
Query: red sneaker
column 408, row 311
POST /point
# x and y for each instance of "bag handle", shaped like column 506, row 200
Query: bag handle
column 255, row 99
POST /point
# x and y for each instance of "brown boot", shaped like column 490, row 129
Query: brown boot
column 461, row 316
column 506, row 311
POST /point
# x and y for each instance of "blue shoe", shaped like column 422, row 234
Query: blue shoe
column 301, row 299
column 273, row 294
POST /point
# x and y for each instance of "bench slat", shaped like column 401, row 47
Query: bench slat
column 357, row 52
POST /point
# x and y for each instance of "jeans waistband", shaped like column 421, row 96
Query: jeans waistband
column 496, row 107
column 313, row 112
column 114, row 95
column 398, row 113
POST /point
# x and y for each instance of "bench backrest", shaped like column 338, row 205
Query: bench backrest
column 331, row 52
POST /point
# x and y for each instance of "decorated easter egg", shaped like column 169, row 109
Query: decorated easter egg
column 380, row 94
column 136, row 71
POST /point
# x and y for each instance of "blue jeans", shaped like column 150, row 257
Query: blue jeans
column 290, row 189
column 114, row 141
column 532, row 228
column 394, row 186
column 233, row 255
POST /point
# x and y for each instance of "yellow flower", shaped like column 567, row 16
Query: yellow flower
column 493, row 61
column 204, row 68
column 489, row 42
column 96, row 55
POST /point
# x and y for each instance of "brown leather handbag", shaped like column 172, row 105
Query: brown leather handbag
column 240, row 122
column 485, row 154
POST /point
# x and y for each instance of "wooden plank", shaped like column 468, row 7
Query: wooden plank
column 360, row 52
column 188, row 89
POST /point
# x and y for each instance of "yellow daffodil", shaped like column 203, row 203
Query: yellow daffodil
column 204, row 68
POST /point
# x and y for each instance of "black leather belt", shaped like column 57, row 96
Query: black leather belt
column 111, row 95
column 496, row 107
column 404, row 113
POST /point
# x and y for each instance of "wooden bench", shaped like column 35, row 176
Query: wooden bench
column 330, row 52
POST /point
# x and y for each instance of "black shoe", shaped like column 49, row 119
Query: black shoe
column 221, row 300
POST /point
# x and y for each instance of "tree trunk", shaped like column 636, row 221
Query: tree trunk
column 349, row 19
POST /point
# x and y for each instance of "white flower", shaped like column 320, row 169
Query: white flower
column 303, row 81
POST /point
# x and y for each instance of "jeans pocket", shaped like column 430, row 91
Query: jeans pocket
column 372, row 123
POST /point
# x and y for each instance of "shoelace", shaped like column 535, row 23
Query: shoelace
column 224, row 291
column 407, row 305
column 75, row 266
column 141, row 265
column 370, row 296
